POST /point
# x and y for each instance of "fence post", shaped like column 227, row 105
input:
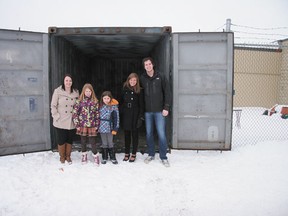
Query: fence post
column 283, row 85
column 228, row 25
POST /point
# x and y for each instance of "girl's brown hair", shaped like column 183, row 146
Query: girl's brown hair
column 93, row 95
column 135, row 88
column 105, row 93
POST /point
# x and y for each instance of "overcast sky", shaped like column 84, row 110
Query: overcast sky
column 182, row 15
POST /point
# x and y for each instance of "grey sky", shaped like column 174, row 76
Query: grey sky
column 182, row 15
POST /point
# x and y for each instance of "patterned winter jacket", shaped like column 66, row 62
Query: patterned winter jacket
column 109, row 117
column 86, row 113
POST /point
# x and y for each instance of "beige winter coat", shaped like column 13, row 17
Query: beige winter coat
column 61, row 108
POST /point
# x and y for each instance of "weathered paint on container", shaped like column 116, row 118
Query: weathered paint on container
column 24, row 92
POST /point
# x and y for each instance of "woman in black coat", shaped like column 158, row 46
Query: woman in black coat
column 132, row 114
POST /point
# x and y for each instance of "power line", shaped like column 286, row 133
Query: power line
column 221, row 27
column 257, row 28
column 255, row 38
column 270, row 34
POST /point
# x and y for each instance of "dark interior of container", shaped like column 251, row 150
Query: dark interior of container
column 105, row 58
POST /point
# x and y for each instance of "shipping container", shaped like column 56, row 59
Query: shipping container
column 199, row 67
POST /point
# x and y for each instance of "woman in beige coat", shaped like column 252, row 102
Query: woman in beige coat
column 62, row 103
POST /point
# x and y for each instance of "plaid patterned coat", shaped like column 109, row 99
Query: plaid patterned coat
column 109, row 117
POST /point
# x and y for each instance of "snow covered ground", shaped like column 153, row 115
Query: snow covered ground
column 255, row 127
column 249, row 180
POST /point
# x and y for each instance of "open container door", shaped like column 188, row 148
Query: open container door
column 24, row 98
column 202, row 90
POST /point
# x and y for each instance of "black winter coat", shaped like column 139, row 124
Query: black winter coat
column 157, row 93
column 131, row 109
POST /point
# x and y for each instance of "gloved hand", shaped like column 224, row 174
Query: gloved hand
column 139, row 123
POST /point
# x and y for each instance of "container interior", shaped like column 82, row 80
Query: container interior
column 105, row 57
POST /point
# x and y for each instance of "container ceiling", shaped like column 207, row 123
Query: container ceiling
column 113, row 42
column 114, row 46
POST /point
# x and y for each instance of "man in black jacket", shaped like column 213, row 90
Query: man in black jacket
column 157, row 104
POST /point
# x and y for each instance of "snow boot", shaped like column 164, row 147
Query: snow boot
column 68, row 153
column 61, row 150
column 112, row 156
column 84, row 159
column 104, row 155
column 96, row 159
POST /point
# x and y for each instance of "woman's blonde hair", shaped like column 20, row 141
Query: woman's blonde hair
column 135, row 88
column 93, row 95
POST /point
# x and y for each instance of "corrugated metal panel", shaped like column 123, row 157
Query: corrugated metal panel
column 202, row 91
column 24, row 121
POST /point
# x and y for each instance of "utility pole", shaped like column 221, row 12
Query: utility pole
column 228, row 25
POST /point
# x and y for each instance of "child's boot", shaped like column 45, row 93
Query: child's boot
column 112, row 156
column 96, row 159
column 84, row 158
column 104, row 155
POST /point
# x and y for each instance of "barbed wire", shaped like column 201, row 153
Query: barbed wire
column 257, row 38
column 257, row 33
column 221, row 27
column 268, row 35
column 257, row 28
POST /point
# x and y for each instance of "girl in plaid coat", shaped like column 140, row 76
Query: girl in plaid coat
column 86, row 119
column 109, row 125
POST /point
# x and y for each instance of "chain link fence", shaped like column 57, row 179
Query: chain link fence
column 260, row 93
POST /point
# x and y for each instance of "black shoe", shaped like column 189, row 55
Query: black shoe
column 132, row 158
column 126, row 158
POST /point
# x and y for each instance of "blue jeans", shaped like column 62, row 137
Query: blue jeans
column 159, row 120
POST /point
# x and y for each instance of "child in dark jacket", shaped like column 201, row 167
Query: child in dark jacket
column 86, row 118
column 109, row 125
